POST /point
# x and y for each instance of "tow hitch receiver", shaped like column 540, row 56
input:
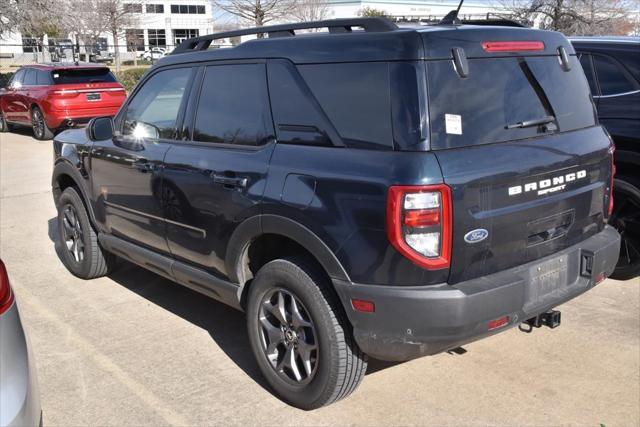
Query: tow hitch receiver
column 550, row 319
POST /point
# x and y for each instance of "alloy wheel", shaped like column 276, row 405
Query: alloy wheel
column 73, row 235
column 288, row 337
column 38, row 123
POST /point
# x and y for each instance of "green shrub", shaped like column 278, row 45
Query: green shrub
column 140, row 62
column 129, row 78
column 4, row 79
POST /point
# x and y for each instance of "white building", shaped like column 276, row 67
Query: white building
column 158, row 23
column 411, row 8
column 166, row 23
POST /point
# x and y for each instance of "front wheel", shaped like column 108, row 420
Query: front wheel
column 626, row 219
column 81, row 251
column 40, row 129
column 301, row 339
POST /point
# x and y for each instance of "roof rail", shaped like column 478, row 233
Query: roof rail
column 372, row 25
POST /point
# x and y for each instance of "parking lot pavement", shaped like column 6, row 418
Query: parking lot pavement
column 135, row 349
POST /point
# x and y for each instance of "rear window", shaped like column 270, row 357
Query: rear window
column 499, row 94
column 92, row 75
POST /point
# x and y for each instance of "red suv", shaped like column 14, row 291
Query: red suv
column 50, row 97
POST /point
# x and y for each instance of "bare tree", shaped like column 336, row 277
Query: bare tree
column 83, row 20
column 117, row 17
column 310, row 10
column 372, row 12
column 36, row 19
column 572, row 17
column 257, row 12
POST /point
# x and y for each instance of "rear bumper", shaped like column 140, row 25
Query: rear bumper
column 19, row 395
column 410, row 322
column 59, row 118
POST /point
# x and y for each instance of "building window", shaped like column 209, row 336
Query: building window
column 155, row 8
column 157, row 38
column 187, row 9
column 29, row 45
column 132, row 7
column 135, row 40
column 181, row 35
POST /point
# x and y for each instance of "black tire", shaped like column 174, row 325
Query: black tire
column 4, row 126
column 81, row 251
column 626, row 219
column 339, row 365
column 40, row 129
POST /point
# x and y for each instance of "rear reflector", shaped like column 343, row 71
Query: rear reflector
column 6, row 296
column 600, row 278
column 498, row 323
column 363, row 306
column 612, row 150
column 520, row 46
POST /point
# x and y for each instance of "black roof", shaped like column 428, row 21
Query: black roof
column 378, row 40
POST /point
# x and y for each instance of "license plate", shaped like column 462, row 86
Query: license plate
column 94, row 97
column 547, row 280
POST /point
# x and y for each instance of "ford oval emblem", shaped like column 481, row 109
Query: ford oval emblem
column 475, row 236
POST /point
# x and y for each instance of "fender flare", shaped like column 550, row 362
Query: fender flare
column 64, row 167
column 254, row 227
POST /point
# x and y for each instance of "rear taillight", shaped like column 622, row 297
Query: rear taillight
column 512, row 46
column 419, row 223
column 6, row 296
column 612, row 150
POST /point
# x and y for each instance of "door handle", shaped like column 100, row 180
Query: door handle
column 229, row 181
column 143, row 165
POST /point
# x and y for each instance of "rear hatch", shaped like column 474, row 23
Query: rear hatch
column 514, row 130
column 85, row 88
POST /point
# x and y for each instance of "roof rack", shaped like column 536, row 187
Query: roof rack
column 370, row 25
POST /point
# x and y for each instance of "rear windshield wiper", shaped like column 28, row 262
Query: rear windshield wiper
column 530, row 123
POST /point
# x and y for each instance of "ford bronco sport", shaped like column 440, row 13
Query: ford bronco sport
column 364, row 191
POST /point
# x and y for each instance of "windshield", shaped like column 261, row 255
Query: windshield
column 86, row 75
column 505, row 99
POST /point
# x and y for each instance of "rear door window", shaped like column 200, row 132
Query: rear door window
column 234, row 106
column 612, row 77
column 499, row 94
column 83, row 75
column 29, row 77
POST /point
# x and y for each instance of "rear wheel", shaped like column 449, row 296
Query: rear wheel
column 40, row 129
column 4, row 126
column 626, row 219
column 300, row 337
column 81, row 252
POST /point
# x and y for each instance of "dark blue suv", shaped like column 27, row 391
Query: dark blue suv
column 360, row 191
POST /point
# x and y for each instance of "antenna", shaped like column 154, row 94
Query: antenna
column 451, row 18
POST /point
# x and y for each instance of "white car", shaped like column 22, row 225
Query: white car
column 153, row 53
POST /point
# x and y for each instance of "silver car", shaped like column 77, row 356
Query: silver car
column 19, row 395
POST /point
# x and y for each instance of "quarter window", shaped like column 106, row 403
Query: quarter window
column 611, row 77
column 234, row 106
column 154, row 108
column 356, row 99
column 585, row 61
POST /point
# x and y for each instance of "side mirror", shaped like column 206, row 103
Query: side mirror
column 100, row 128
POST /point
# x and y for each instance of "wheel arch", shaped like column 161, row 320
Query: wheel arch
column 281, row 236
column 66, row 175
